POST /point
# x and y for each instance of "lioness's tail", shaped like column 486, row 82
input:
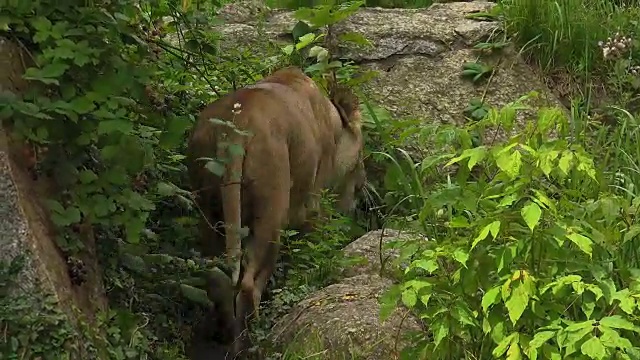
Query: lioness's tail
column 231, row 201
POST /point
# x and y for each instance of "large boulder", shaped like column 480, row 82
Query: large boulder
column 343, row 321
column 418, row 54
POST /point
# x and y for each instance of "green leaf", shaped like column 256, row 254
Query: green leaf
column 42, row 133
column 417, row 284
column 514, row 352
column 490, row 298
column 388, row 302
column 634, row 230
column 166, row 189
column 503, row 345
column 583, row 242
column 531, row 214
column 508, row 200
column 428, row 265
column 70, row 215
column 492, row 228
column 540, row 338
column 441, row 331
column 585, row 164
column 588, row 305
column 288, row 50
column 215, row 167
column 409, row 298
column 134, row 263
column 235, row 150
column 424, row 299
column 627, row 302
column 41, row 23
column 47, row 74
column 618, row 322
column 355, row 38
column 477, row 155
column 545, row 161
column 82, row 105
column 611, row 339
column 463, row 314
column 510, row 163
column 87, row 176
column 173, row 133
column 576, row 332
column 565, row 161
column 305, row 40
column 133, row 228
column 117, row 125
column 517, row 302
column 593, row 348
column 300, row 29
column 4, row 23
column 461, row 256
column 196, row 295
column 102, row 206
column 54, row 206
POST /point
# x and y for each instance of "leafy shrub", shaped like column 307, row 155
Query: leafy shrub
column 530, row 253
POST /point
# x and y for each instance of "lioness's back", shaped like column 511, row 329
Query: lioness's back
column 282, row 112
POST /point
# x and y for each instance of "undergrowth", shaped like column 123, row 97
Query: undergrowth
column 562, row 38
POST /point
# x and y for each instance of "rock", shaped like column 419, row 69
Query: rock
column 419, row 54
column 342, row 320
column 243, row 11
column 367, row 248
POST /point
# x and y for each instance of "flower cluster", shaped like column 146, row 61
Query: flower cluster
column 615, row 47
column 237, row 108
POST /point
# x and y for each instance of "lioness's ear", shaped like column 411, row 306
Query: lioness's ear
column 347, row 104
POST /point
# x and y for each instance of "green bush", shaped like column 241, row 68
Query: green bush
column 531, row 253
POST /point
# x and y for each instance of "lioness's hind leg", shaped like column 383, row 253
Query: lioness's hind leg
column 262, row 278
column 271, row 206
column 264, row 251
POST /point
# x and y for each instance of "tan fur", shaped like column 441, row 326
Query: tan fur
column 300, row 143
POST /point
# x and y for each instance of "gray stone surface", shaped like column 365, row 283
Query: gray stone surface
column 13, row 227
column 344, row 319
column 418, row 54
column 367, row 249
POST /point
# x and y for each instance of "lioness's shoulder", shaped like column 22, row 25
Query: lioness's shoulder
column 292, row 77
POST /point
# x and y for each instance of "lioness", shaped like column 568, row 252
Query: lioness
column 299, row 142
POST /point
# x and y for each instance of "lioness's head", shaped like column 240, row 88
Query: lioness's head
column 351, row 175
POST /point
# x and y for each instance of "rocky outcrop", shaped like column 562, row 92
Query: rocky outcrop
column 343, row 319
column 418, row 54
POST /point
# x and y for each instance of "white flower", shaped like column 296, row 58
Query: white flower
column 237, row 108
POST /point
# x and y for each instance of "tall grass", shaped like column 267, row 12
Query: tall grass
column 565, row 33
